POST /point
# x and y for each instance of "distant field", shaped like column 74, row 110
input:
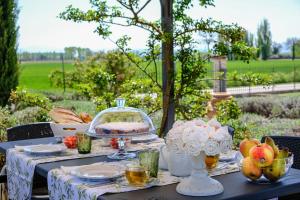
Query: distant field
column 268, row 66
column 34, row 75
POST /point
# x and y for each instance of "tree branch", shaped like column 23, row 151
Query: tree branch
column 136, row 64
column 142, row 8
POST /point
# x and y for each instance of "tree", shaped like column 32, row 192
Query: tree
column 276, row 47
column 249, row 38
column 293, row 43
column 181, row 91
column 8, row 49
column 208, row 38
column 264, row 39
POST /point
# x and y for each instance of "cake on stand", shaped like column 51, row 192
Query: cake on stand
column 121, row 122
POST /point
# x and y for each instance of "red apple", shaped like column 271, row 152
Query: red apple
column 246, row 145
column 262, row 155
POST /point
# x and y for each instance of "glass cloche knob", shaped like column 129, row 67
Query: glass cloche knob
column 120, row 102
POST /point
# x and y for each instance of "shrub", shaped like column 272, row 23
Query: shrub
column 288, row 108
column 141, row 93
column 249, row 78
column 241, row 131
column 258, row 105
column 21, row 99
column 260, row 126
column 280, row 77
column 104, row 72
column 31, row 115
column 227, row 110
column 6, row 121
column 281, row 107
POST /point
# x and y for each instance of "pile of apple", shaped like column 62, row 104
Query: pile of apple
column 263, row 159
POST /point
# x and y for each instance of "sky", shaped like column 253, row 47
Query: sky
column 41, row 29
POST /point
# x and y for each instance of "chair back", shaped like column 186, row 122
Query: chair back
column 291, row 142
column 29, row 131
column 231, row 131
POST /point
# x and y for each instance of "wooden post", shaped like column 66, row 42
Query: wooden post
column 63, row 71
column 168, row 67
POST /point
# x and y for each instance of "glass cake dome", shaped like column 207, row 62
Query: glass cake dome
column 121, row 121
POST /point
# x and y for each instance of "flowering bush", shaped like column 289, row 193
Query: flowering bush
column 21, row 98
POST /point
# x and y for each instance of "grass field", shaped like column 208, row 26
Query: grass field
column 34, row 75
column 269, row 66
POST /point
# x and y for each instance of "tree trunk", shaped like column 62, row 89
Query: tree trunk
column 168, row 69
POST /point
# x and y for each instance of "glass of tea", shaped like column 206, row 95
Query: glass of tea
column 149, row 160
column 136, row 175
column 211, row 161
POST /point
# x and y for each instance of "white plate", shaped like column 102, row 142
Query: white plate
column 99, row 172
column 45, row 149
column 228, row 156
column 144, row 138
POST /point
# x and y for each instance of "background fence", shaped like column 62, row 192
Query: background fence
column 283, row 78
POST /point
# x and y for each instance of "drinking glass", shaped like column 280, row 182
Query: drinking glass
column 211, row 161
column 149, row 160
column 84, row 143
column 136, row 175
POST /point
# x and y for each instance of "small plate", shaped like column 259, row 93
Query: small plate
column 99, row 172
column 45, row 149
column 229, row 156
column 144, row 138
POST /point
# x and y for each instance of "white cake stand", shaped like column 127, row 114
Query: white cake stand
column 122, row 153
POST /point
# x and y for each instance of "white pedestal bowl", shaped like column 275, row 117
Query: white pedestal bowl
column 199, row 183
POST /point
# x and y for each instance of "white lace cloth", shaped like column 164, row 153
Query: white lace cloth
column 21, row 166
column 62, row 185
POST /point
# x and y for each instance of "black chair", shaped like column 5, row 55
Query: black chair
column 231, row 131
column 30, row 131
column 291, row 142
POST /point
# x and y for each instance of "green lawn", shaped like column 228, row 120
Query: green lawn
column 34, row 75
column 268, row 66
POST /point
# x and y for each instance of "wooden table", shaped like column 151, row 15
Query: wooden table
column 235, row 185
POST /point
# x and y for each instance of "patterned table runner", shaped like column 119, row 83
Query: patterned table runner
column 63, row 185
column 21, row 166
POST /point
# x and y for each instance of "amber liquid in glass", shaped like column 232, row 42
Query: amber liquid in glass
column 136, row 176
column 211, row 161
